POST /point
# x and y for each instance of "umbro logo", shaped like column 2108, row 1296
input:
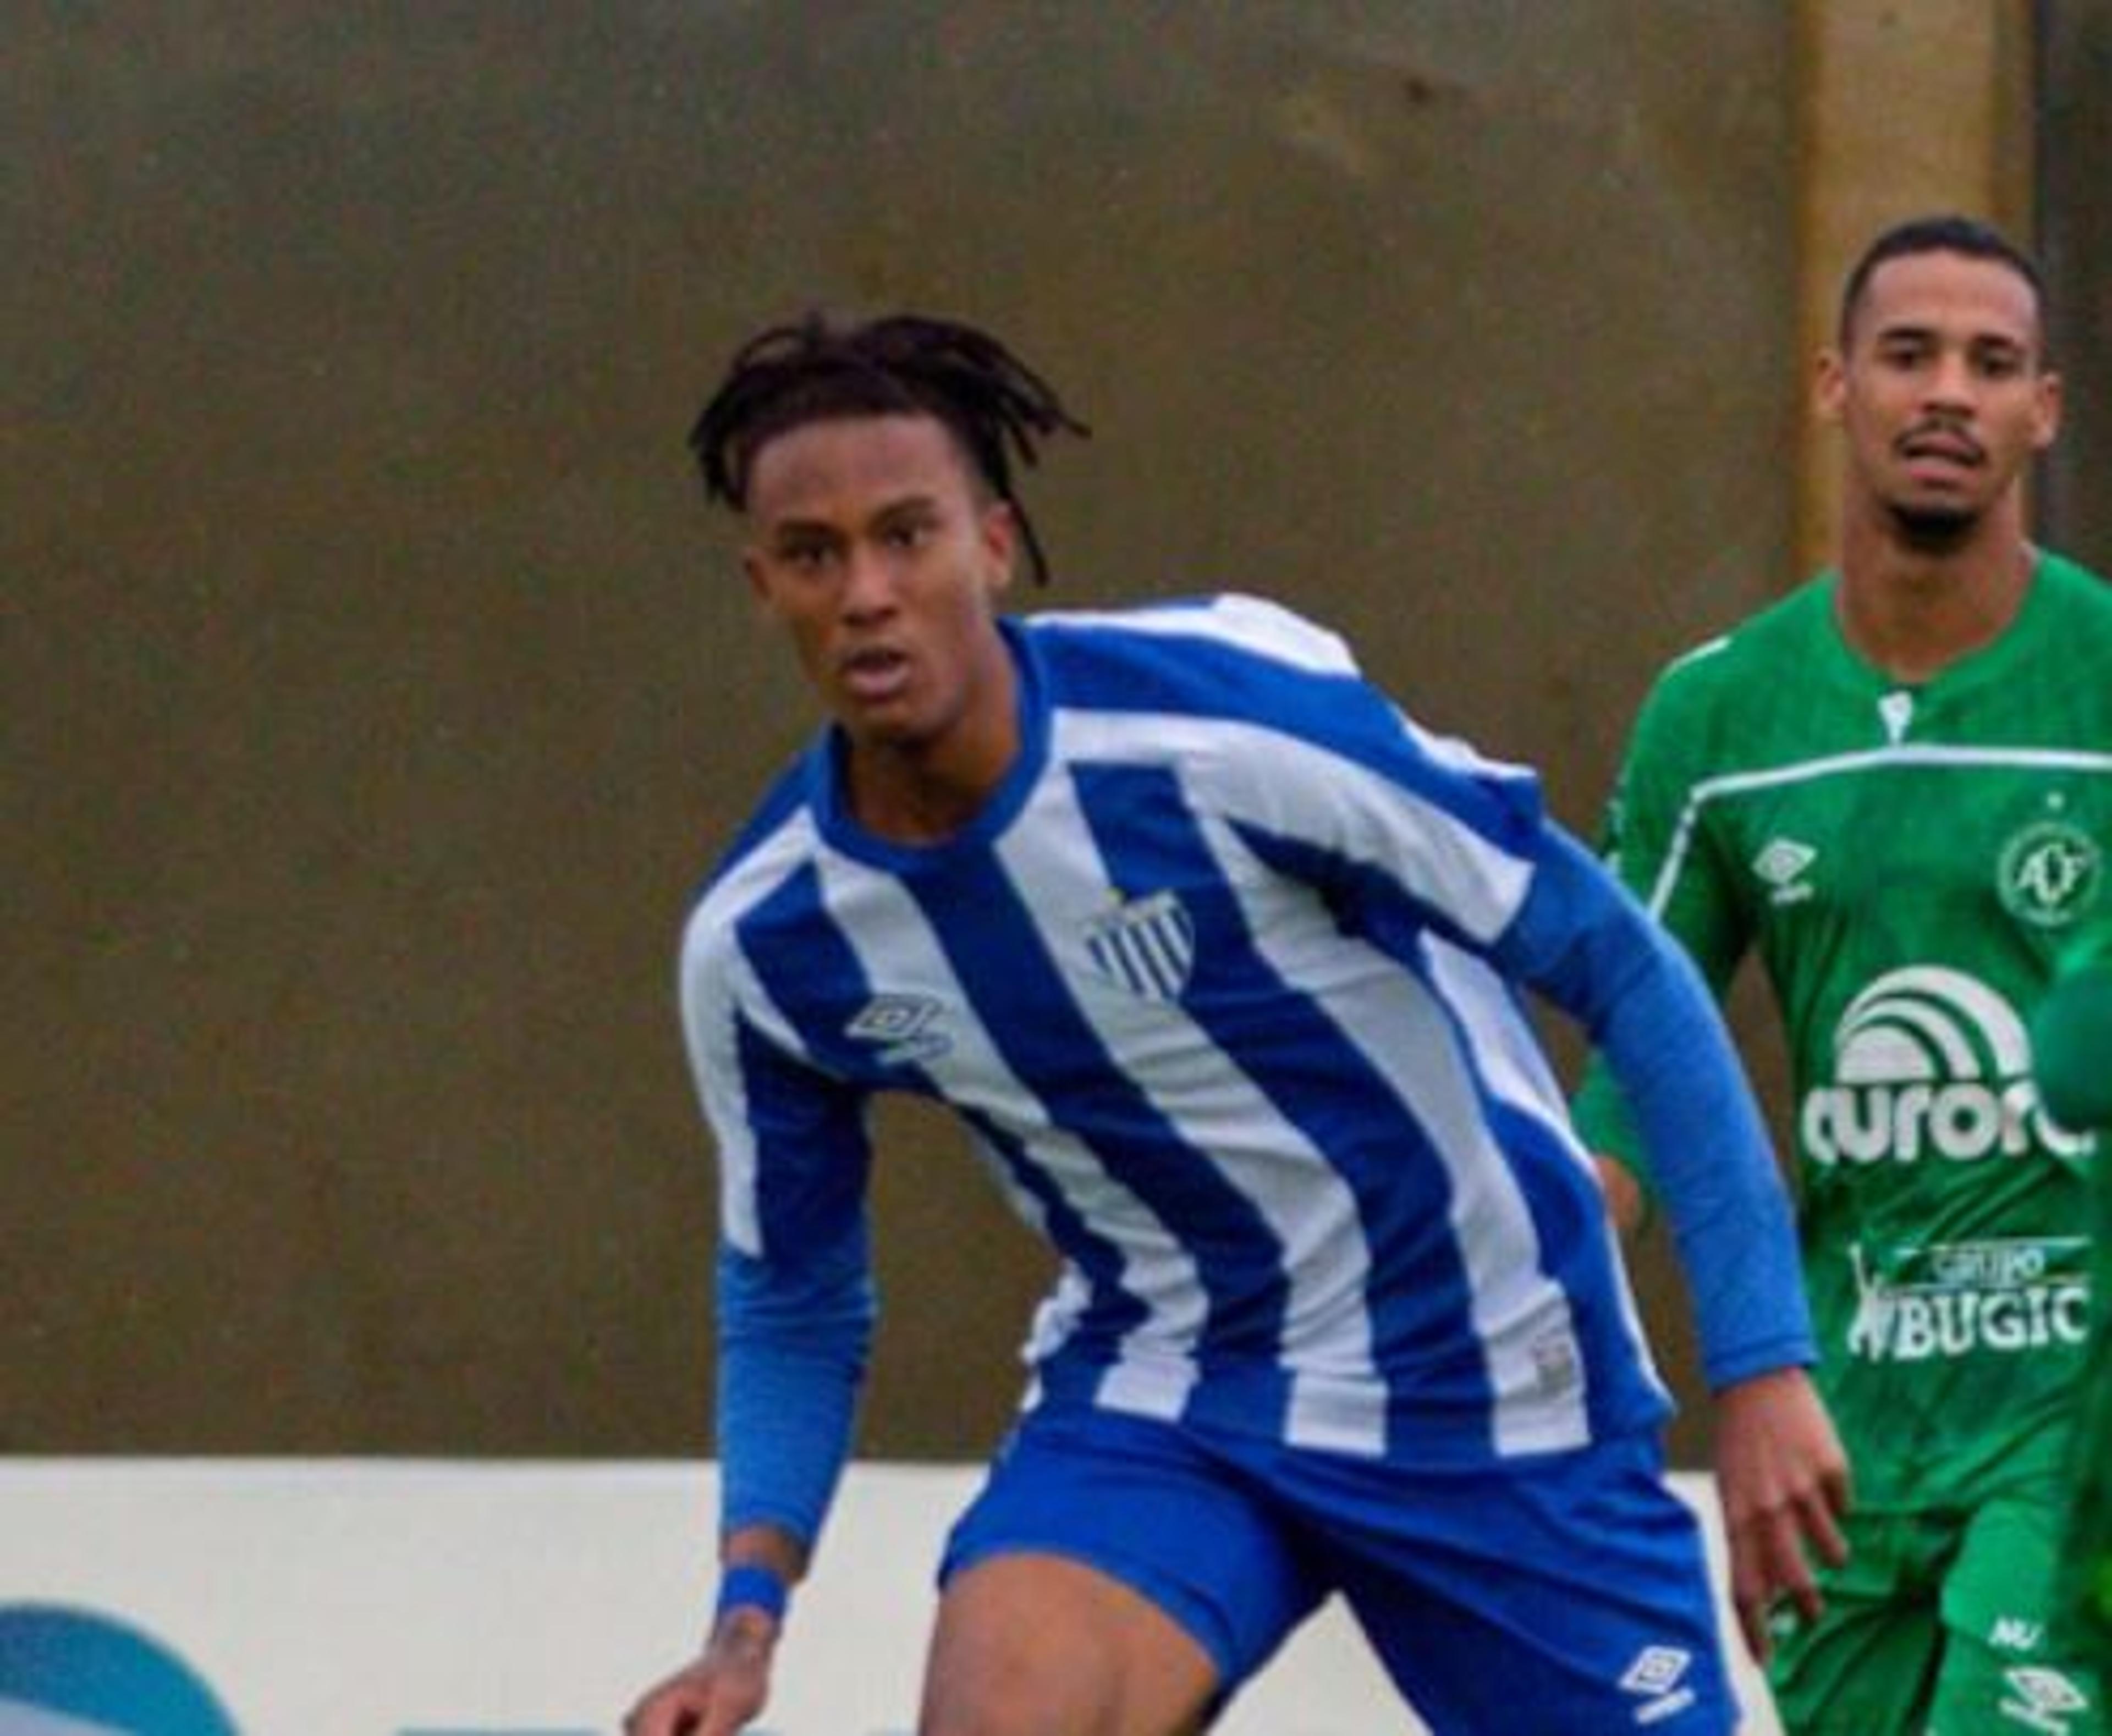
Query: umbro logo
column 903, row 1027
column 2042, row 1699
column 1658, row 1677
column 1782, row 864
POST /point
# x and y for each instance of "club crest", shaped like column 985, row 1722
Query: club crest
column 2049, row 873
column 1145, row 945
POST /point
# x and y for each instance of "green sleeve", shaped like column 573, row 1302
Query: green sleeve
column 2072, row 1037
column 1658, row 838
column 2072, row 1046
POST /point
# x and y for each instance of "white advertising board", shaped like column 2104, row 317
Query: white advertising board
column 379, row 1598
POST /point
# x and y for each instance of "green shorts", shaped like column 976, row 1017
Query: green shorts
column 2086, row 1584
column 1938, row 1625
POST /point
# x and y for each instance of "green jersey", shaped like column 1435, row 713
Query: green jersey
column 1909, row 860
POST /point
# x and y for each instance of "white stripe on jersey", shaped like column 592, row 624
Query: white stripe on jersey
column 894, row 943
column 1509, row 1056
column 1251, row 623
column 1520, row 1317
column 712, row 1009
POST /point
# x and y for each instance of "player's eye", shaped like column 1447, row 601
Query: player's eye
column 805, row 556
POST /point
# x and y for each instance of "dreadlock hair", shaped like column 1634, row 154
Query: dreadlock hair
column 815, row 370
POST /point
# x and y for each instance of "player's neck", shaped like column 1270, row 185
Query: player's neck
column 923, row 792
column 1914, row 608
column 909, row 805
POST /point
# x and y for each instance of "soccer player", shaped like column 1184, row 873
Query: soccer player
column 2072, row 1044
column 1896, row 785
column 1214, row 952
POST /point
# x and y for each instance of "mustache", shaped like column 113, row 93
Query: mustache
column 1937, row 428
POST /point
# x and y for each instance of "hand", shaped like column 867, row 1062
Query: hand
column 719, row 1694
column 1783, row 1481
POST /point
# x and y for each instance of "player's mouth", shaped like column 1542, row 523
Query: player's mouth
column 873, row 674
column 1941, row 448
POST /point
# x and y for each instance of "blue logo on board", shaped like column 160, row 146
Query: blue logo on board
column 69, row 1672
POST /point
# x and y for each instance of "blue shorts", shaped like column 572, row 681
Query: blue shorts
column 1560, row 1594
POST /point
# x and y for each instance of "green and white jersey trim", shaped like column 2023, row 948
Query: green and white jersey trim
column 1847, row 764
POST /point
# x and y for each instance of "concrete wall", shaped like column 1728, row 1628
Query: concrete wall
column 376, row 686
column 2073, row 120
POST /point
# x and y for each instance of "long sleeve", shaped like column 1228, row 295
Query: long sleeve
column 1585, row 942
column 1654, row 843
column 792, row 1347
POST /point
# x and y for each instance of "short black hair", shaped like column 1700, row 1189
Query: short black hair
column 1947, row 232
column 819, row 369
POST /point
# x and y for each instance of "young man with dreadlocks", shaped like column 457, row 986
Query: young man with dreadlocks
column 1215, row 953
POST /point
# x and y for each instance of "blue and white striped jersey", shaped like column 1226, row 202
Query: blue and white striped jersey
column 1221, row 981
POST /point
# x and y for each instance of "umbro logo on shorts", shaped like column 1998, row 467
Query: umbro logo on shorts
column 1658, row 1677
column 2042, row 1699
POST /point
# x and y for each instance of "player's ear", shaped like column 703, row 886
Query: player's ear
column 2046, row 421
column 997, row 531
column 1829, row 384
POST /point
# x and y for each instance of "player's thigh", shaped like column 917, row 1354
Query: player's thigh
column 1042, row 1645
column 2002, row 1668
column 1117, row 1520
column 1568, row 1594
column 1866, row 1665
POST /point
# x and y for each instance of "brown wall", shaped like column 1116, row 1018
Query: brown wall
column 376, row 686
column 1901, row 111
column 2074, row 150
